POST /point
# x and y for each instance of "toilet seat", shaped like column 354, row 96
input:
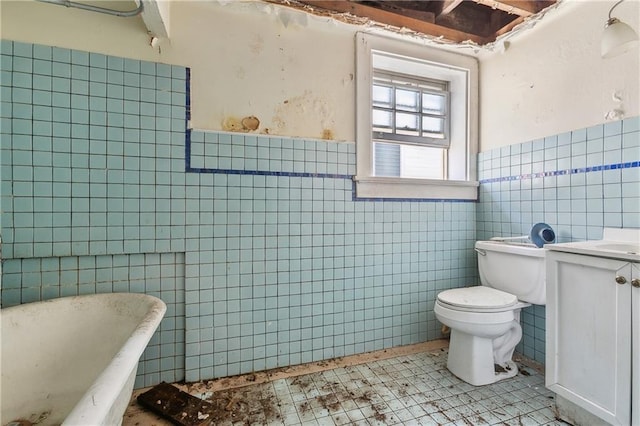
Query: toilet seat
column 477, row 299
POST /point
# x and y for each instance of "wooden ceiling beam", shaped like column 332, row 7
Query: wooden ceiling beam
column 390, row 18
column 411, row 13
column 511, row 25
column 448, row 6
column 516, row 7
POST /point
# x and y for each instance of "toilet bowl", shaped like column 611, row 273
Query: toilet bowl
column 485, row 320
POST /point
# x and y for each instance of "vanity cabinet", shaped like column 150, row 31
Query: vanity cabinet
column 593, row 334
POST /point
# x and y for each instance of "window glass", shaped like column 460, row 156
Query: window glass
column 409, row 110
column 433, row 127
column 407, row 100
column 433, row 103
column 408, row 161
column 387, row 159
column 382, row 96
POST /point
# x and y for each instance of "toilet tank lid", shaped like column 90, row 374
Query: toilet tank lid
column 477, row 297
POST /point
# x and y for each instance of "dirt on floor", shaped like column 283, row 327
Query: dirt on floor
column 250, row 398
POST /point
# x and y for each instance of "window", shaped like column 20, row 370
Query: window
column 417, row 121
column 410, row 126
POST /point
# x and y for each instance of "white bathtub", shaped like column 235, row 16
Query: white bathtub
column 73, row 360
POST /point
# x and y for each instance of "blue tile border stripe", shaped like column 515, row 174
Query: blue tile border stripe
column 187, row 131
column 202, row 170
column 600, row 168
column 205, row 170
column 267, row 173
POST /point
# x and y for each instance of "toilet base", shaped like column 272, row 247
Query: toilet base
column 471, row 358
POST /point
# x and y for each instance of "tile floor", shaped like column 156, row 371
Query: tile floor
column 409, row 389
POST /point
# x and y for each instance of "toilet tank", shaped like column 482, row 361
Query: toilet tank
column 515, row 268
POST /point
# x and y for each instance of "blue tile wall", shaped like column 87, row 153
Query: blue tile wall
column 88, row 141
column 578, row 182
column 290, row 269
column 281, row 264
column 270, row 156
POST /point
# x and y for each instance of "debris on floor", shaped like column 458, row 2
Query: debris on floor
column 409, row 388
column 178, row 406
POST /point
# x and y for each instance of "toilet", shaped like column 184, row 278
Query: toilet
column 485, row 320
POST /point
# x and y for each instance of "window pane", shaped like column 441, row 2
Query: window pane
column 433, row 104
column 382, row 96
column 433, row 127
column 407, row 99
column 422, row 162
column 382, row 121
column 386, row 159
column 408, row 161
column 407, row 124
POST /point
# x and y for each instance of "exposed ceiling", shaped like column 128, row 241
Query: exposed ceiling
column 478, row 21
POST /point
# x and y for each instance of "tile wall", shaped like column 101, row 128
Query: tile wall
column 290, row 268
column 578, row 182
column 269, row 259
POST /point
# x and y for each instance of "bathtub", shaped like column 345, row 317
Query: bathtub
column 73, row 360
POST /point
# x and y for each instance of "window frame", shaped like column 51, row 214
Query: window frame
column 462, row 73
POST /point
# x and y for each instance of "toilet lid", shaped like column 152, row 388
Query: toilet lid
column 477, row 297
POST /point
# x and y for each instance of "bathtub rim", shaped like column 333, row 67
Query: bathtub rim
column 96, row 403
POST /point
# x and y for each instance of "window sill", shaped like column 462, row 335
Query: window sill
column 429, row 189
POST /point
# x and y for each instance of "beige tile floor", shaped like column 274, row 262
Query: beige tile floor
column 402, row 386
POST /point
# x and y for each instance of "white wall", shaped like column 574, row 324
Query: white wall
column 295, row 71
column 552, row 79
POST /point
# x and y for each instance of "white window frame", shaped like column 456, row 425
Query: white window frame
column 415, row 59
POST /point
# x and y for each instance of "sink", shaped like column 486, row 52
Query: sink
column 616, row 243
column 621, row 247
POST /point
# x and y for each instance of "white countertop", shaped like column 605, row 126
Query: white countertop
column 616, row 244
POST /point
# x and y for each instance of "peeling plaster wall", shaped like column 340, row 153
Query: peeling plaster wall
column 279, row 67
column 292, row 71
column 551, row 79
